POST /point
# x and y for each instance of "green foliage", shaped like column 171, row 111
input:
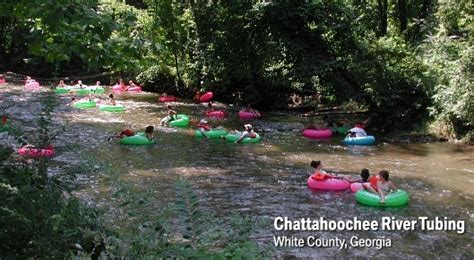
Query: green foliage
column 37, row 221
column 185, row 230
column 448, row 56
column 393, row 57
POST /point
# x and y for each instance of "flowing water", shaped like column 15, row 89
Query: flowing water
column 264, row 180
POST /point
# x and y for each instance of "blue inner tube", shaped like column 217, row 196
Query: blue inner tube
column 364, row 140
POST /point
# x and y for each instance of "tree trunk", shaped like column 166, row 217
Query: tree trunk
column 382, row 6
column 402, row 16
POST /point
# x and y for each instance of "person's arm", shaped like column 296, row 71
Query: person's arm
column 393, row 186
column 349, row 179
column 381, row 194
column 150, row 137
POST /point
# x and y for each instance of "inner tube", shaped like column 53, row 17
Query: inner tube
column 132, row 89
column 206, row 97
column 84, row 104
column 180, row 120
column 217, row 113
column 135, row 89
column 398, row 198
column 234, row 137
column 248, row 115
column 96, row 89
column 167, row 99
column 82, row 91
column 340, row 130
column 117, row 88
column 212, row 134
column 35, row 152
column 317, row 133
column 32, row 86
column 364, row 140
column 356, row 186
column 138, row 139
column 3, row 81
column 4, row 127
column 111, row 108
column 330, row 184
column 61, row 90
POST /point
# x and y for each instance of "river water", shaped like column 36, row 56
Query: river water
column 263, row 181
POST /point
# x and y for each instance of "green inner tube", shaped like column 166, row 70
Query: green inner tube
column 4, row 127
column 180, row 121
column 215, row 133
column 99, row 90
column 60, row 90
column 111, row 108
column 393, row 199
column 82, row 91
column 138, row 139
column 84, row 104
column 233, row 138
column 340, row 130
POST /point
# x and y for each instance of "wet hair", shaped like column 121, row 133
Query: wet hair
column 111, row 96
column 169, row 106
column 384, row 174
column 24, row 144
column 210, row 104
column 149, row 129
column 364, row 173
column 315, row 164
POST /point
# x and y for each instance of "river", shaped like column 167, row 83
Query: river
column 263, row 180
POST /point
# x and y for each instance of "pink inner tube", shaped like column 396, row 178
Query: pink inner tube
column 132, row 89
column 36, row 153
column 248, row 115
column 135, row 89
column 356, row 186
column 3, row 81
column 332, row 184
column 32, row 86
column 206, row 97
column 167, row 99
column 320, row 133
column 117, row 87
column 217, row 113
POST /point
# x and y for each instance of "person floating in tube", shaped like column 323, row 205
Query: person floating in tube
column 357, row 131
column 170, row 117
column 204, row 127
column 248, row 132
column 112, row 100
column 210, row 108
column 197, row 94
column 127, row 132
column 381, row 185
column 249, row 109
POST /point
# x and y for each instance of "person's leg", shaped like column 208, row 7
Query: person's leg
column 242, row 136
column 164, row 120
column 367, row 186
column 203, row 132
